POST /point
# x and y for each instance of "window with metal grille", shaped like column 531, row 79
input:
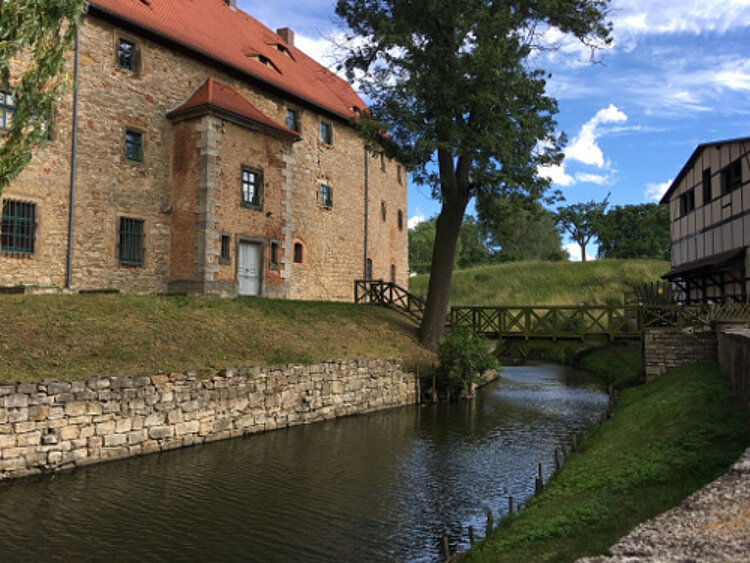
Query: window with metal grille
column 126, row 54
column 326, row 196
column 252, row 186
column 131, row 241
column 326, row 133
column 18, row 226
column 225, row 257
column 292, row 120
column 134, row 145
column 7, row 110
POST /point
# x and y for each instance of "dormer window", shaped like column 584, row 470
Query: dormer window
column 282, row 49
column 265, row 61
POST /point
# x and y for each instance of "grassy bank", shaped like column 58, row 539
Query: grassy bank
column 548, row 283
column 666, row 440
column 82, row 335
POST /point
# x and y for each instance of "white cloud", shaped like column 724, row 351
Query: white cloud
column 574, row 250
column 598, row 179
column 655, row 192
column 414, row 221
column 556, row 174
column 584, row 147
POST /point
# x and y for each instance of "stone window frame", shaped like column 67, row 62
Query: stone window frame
column 325, row 203
column 31, row 219
column 274, row 257
column 7, row 109
column 245, row 168
column 126, row 262
column 326, row 132
column 137, row 69
column 225, row 249
column 294, row 119
column 142, row 134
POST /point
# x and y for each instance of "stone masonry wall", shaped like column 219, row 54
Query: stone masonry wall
column 734, row 360
column 666, row 349
column 56, row 425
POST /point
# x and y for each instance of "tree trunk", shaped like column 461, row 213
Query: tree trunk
column 443, row 254
column 583, row 252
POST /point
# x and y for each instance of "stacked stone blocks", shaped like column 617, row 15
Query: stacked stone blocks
column 57, row 425
column 667, row 349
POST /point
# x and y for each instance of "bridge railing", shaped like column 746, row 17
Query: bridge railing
column 389, row 294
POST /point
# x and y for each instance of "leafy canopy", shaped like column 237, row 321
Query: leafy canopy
column 581, row 221
column 35, row 36
column 635, row 231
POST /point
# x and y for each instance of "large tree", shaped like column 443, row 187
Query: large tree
column 453, row 83
column 470, row 249
column 519, row 228
column 635, row 231
column 36, row 34
column 581, row 221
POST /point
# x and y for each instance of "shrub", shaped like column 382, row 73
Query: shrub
column 464, row 357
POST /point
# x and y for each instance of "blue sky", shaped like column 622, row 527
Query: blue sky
column 677, row 75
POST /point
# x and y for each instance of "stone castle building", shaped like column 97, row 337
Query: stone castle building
column 212, row 156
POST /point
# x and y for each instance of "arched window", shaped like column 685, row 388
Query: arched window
column 299, row 253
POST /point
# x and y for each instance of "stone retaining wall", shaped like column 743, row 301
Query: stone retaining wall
column 734, row 359
column 666, row 349
column 56, row 425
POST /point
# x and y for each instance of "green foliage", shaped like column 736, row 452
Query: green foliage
column 470, row 252
column 464, row 357
column 451, row 83
column 39, row 32
column 582, row 220
column 519, row 228
column 666, row 440
column 635, row 231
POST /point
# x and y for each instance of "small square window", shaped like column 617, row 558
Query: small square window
column 326, row 196
column 252, row 187
column 126, row 54
column 130, row 248
column 274, row 254
column 134, row 146
column 7, row 110
column 18, row 227
column 225, row 258
column 687, row 202
column 383, row 210
column 731, row 177
column 292, row 120
column 326, row 133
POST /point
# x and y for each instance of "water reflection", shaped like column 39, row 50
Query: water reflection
column 373, row 488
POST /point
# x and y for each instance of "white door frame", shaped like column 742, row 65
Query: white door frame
column 240, row 240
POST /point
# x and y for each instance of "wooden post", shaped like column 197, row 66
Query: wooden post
column 574, row 445
column 489, row 523
column 446, row 547
column 471, row 535
column 557, row 460
column 510, row 505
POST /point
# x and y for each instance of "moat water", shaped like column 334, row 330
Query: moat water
column 378, row 487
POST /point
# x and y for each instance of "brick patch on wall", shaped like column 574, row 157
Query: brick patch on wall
column 57, row 425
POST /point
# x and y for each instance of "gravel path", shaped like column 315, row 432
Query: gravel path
column 712, row 524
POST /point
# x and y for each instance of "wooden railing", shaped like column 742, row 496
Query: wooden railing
column 388, row 294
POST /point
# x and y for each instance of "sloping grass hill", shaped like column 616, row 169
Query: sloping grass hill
column 76, row 336
column 600, row 282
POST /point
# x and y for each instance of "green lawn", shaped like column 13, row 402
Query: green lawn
column 667, row 439
column 602, row 282
column 76, row 336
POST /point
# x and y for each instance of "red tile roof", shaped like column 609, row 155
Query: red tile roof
column 212, row 28
column 215, row 94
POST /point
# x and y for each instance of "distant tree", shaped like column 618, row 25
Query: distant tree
column 452, row 84
column 40, row 33
column 581, row 221
column 518, row 228
column 635, row 231
column 471, row 251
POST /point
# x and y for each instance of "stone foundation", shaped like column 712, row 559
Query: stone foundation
column 734, row 360
column 666, row 349
column 56, row 425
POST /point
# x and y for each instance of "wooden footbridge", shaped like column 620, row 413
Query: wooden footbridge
column 539, row 323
